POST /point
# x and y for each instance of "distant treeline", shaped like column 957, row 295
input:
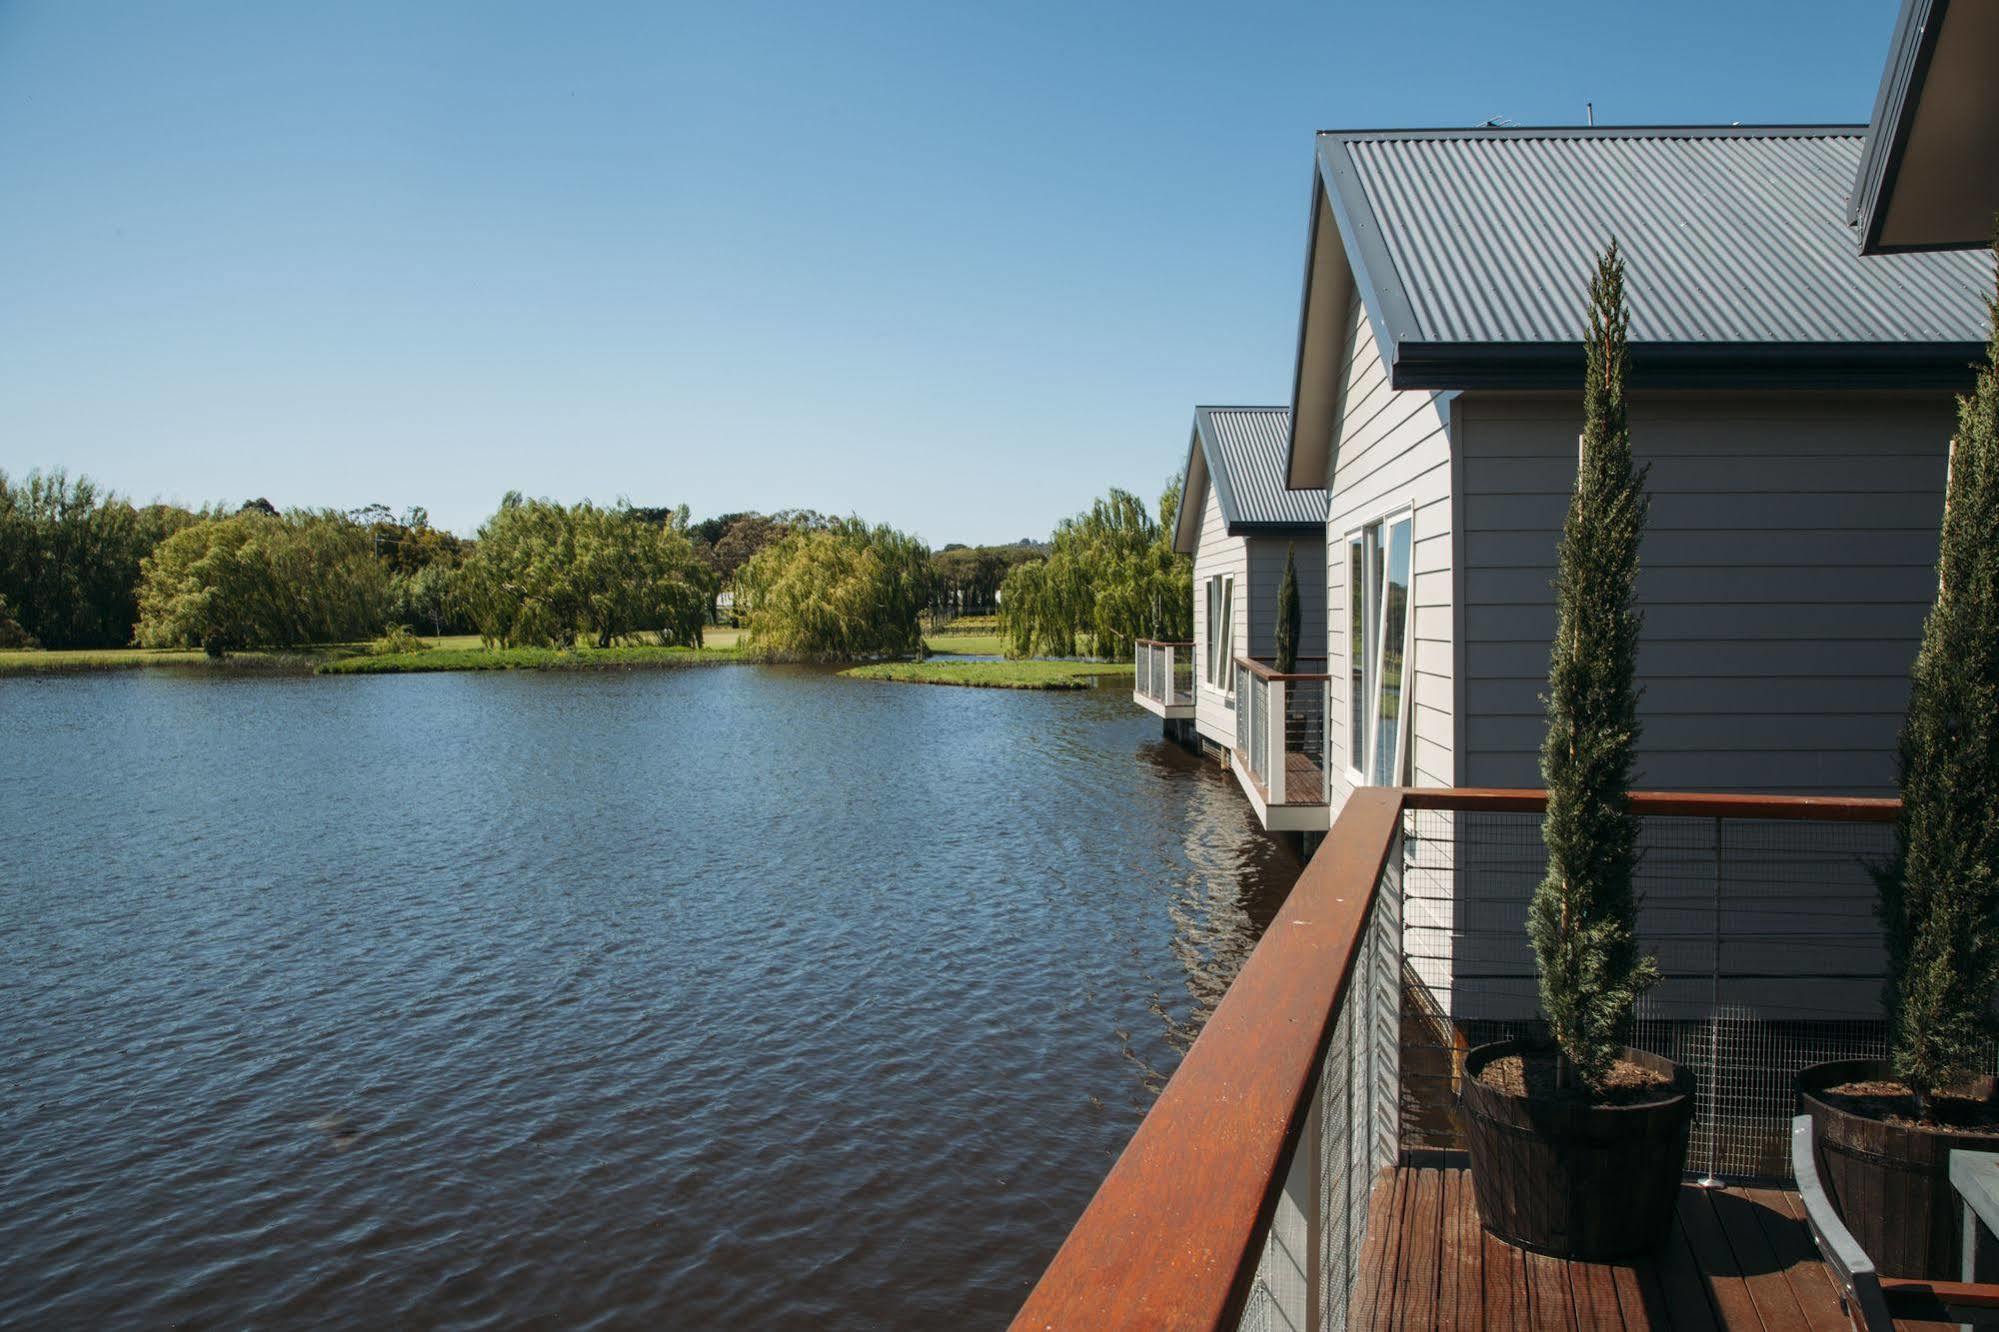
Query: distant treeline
column 82, row 567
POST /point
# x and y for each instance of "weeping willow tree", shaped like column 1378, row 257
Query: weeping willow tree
column 1583, row 919
column 1111, row 578
column 842, row 592
column 1939, row 901
column 542, row 573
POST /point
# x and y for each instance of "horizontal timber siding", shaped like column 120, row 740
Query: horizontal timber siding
column 1392, row 451
column 1787, row 567
column 1217, row 553
column 1266, row 572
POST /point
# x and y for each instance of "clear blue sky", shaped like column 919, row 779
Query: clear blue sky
column 955, row 267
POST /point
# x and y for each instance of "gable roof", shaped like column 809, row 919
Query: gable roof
column 1472, row 251
column 1929, row 177
column 1240, row 451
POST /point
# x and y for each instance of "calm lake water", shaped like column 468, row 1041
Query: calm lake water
column 731, row 997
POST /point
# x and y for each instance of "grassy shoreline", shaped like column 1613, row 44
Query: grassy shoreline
column 78, row 661
column 467, row 653
column 995, row 674
column 530, row 659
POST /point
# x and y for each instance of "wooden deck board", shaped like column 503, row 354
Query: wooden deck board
column 1782, row 1220
column 1505, row 1304
column 1460, row 1299
column 1416, row 1301
column 1595, row 1293
column 1738, row 1260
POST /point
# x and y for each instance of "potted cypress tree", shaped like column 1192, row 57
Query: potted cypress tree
column 1577, row 1144
column 1884, row 1132
column 1290, row 621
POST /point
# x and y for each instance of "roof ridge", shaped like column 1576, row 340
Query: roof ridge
column 1730, row 131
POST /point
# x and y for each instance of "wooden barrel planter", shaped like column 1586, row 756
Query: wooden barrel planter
column 1577, row 1181
column 1890, row 1182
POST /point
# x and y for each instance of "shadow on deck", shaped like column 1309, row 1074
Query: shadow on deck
column 1738, row 1258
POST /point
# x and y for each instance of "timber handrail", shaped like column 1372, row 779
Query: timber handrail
column 1668, row 804
column 1163, row 642
column 1172, row 1237
column 1267, row 672
column 1174, row 1232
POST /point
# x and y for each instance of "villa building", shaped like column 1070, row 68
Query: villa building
column 1792, row 399
column 1805, row 303
column 1241, row 524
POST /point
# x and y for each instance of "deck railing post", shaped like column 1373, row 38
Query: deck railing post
column 1273, row 721
column 1712, row 1179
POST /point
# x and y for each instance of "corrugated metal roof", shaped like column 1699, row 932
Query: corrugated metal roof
column 1246, row 449
column 1730, row 236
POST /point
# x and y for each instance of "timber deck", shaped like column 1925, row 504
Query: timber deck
column 1737, row 1259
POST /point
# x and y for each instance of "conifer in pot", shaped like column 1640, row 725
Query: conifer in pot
column 1887, row 1130
column 1587, row 1170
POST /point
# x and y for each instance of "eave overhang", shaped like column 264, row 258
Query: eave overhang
column 1689, row 365
column 1929, row 174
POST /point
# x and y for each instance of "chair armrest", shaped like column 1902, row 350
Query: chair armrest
column 1849, row 1263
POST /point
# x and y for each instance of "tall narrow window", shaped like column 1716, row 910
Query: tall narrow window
column 1357, row 637
column 1378, row 573
column 1220, row 663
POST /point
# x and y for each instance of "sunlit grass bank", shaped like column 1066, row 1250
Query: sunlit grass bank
column 965, row 645
column 34, row 661
column 453, row 652
column 530, row 659
column 996, row 674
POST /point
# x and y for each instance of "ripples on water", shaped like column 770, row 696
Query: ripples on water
column 711, row 998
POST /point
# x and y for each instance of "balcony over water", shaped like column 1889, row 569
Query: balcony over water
column 1304, row 1167
column 1163, row 679
column 1280, row 744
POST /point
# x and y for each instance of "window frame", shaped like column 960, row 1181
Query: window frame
column 1369, row 540
column 1218, row 661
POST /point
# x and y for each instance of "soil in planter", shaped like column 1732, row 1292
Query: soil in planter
column 1533, row 1075
column 1893, row 1103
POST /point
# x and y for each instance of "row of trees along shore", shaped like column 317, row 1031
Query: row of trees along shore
column 82, row 567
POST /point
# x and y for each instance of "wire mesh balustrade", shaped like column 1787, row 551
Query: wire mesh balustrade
column 1352, row 1136
column 1281, row 730
column 1336, row 1057
column 1769, row 953
column 1163, row 672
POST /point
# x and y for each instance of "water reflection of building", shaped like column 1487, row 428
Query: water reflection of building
column 1233, row 881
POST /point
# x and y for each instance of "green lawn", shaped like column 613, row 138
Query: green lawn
column 965, row 645
column 979, row 645
column 996, row 674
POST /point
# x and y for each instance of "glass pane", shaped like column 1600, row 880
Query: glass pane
column 1208, row 628
column 1393, row 648
column 1228, row 634
column 1356, row 652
